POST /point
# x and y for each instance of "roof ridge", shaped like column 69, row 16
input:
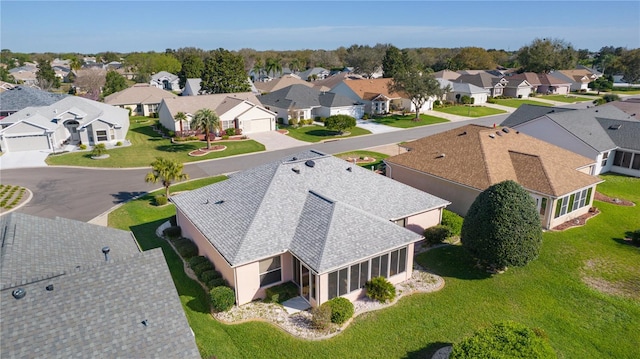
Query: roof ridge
column 333, row 204
column 484, row 156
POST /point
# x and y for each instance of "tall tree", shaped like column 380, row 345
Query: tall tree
column 192, row 67
column 206, row 120
column 273, row 66
column 224, row 73
column 180, row 116
column 544, row 55
column 295, row 64
column 630, row 61
column 393, row 62
column 91, row 81
column 472, row 58
column 258, row 68
column 6, row 76
column 417, row 85
column 502, row 227
column 364, row 59
column 45, row 75
column 114, row 82
column 166, row 171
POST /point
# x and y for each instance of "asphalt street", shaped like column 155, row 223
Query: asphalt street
column 84, row 193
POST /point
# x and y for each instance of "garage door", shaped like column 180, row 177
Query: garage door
column 27, row 143
column 258, row 125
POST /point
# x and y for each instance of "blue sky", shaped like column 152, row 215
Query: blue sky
column 96, row 26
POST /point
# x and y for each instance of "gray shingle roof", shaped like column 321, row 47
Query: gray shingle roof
column 263, row 210
column 96, row 308
column 301, row 96
column 526, row 113
column 23, row 96
column 624, row 133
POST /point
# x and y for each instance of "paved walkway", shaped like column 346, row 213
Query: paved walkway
column 448, row 116
column 274, row 140
column 500, row 107
column 375, row 127
column 23, row 159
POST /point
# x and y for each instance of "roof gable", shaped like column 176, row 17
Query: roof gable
column 138, row 94
column 368, row 89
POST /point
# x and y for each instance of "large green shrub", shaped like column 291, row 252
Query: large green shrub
column 437, row 234
column 340, row 123
column 341, row 309
column 453, row 221
column 160, row 200
column 208, row 275
column 222, row 298
column 173, row 231
column 202, row 267
column 504, row 340
column 216, row 282
column 321, row 317
column 99, row 150
column 194, row 261
column 186, row 248
column 380, row 289
column 502, row 227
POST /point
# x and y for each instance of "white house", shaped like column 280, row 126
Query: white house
column 166, row 81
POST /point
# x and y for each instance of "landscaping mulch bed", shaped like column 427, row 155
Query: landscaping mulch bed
column 620, row 202
column 284, row 132
column 577, row 222
column 204, row 151
column 359, row 160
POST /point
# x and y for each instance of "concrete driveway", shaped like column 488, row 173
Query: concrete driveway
column 274, row 140
column 375, row 127
column 23, row 159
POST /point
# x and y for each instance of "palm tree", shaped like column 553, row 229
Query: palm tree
column 180, row 116
column 295, row 65
column 205, row 119
column 258, row 67
column 274, row 66
column 167, row 171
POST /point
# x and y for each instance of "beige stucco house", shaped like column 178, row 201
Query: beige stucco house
column 459, row 164
column 141, row 99
column 316, row 220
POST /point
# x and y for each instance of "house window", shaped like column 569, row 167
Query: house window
column 605, row 156
column 572, row 202
column 636, row 162
column 153, row 107
column 101, row 135
column 139, row 108
column 624, row 159
column 543, row 206
column 270, row 271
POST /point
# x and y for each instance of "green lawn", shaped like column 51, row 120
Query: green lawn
column 146, row 145
column 470, row 111
column 407, row 121
column 626, row 92
column 566, row 98
column 548, row 294
column 513, row 102
column 317, row 133
column 358, row 154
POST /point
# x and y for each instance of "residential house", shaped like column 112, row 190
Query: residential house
column 605, row 134
column 544, row 83
column 531, row 77
column 484, row 80
column 280, row 83
column 323, row 223
column 517, row 88
column 579, row 79
column 19, row 97
column 446, row 75
column 191, row 87
column 302, row 102
column 376, row 97
column 459, row 89
column 72, row 120
column 241, row 111
column 140, row 99
column 4, row 86
column 166, row 81
column 459, row 164
column 25, row 74
column 314, row 73
column 74, row 289
column 332, row 81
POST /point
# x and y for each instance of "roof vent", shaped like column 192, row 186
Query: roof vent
column 220, row 201
column 145, row 323
column 49, row 287
column 615, row 127
column 492, row 135
column 106, row 251
column 349, row 169
column 294, row 159
column 596, row 111
column 498, row 133
column 296, row 170
column 463, row 133
column 310, row 163
column 442, row 155
column 19, row 293
column 505, row 130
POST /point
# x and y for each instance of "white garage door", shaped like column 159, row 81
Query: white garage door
column 258, row 125
column 27, row 143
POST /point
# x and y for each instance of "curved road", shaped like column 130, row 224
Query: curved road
column 84, row 193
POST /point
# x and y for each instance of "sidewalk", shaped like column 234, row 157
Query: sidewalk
column 446, row 116
column 500, row 107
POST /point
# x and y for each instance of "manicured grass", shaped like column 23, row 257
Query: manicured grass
column 626, row 92
column 146, row 145
column 470, row 111
column 548, row 294
column 566, row 98
column 512, row 102
column 11, row 196
column 317, row 133
column 358, row 154
column 407, row 121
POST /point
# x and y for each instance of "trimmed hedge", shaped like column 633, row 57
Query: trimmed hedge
column 194, row 261
column 437, row 234
column 206, row 276
column 341, row 309
column 504, row 340
column 453, row 221
column 222, row 298
column 202, row 267
column 186, row 248
column 160, row 200
column 380, row 289
column 173, row 232
column 216, row 282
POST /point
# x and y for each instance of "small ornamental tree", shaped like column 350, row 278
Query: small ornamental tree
column 99, row 150
column 166, row 171
column 502, row 227
column 339, row 123
column 222, row 298
column 380, row 289
column 504, row 340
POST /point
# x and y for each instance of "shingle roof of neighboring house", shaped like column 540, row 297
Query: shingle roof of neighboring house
column 162, row 74
column 304, row 75
column 478, row 157
column 461, row 87
column 482, row 79
column 531, row 78
column 328, row 213
column 300, row 96
column 23, row 96
column 280, row 83
column 333, row 80
column 515, row 83
column 221, row 103
column 91, row 308
column 548, row 79
column 625, row 134
column 446, row 74
column 578, row 75
column 138, row 94
column 88, row 110
column 369, row 89
column 585, row 124
column 631, row 106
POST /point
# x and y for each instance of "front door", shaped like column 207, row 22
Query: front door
column 72, row 127
column 304, row 287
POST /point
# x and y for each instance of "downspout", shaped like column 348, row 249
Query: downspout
column 235, row 285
